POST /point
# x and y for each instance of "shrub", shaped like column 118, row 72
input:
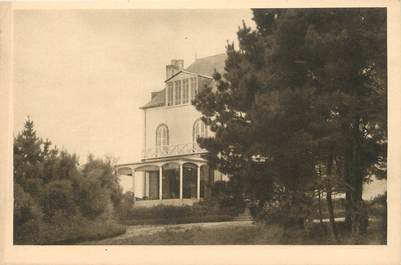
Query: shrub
column 27, row 214
column 378, row 209
column 93, row 199
column 58, row 197
column 226, row 199
column 125, row 205
column 71, row 230
column 290, row 209
column 159, row 212
column 167, row 214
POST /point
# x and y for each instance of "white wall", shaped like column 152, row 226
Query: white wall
column 179, row 120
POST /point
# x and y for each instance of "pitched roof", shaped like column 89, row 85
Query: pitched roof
column 158, row 99
column 202, row 66
column 207, row 65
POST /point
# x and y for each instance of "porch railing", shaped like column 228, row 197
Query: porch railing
column 172, row 150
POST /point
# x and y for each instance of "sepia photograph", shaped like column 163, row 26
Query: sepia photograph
column 253, row 126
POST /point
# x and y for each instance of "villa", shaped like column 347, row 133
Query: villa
column 172, row 169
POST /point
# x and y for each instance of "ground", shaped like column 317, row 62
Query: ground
column 139, row 231
column 232, row 233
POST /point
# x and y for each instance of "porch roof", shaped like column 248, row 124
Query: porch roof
column 151, row 164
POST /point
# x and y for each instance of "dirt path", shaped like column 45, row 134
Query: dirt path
column 138, row 230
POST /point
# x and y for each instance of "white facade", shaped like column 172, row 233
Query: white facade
column 172, row 169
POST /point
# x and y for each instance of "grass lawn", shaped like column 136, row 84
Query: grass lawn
column 71, row 231
column 249, row 234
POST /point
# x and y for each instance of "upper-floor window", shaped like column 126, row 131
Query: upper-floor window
column 194, row 88
column 177, row 92
column 162, row 137
column 170, row 95
column 181, row 91
column 199, row 130
column 185, row 91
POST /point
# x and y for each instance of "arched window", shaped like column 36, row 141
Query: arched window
column 162, row 136
column 199, row 130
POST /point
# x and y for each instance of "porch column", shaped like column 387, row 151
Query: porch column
column 147, row 183
column 160, row 182
column 181, row 178
column 133, row 182
column 144, row 185
column 198, row 183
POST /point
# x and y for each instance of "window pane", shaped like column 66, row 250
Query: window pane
column 200, row 130
column 178, row 92
column 162, row 136
column 189, row 189
column 194, row 89
column 185, row 91
column 171, row 181
column 170, row 94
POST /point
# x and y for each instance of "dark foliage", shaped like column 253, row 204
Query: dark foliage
column 307, row 88
column 164, row 214
column 53, row 192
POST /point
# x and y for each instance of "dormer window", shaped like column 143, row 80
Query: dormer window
column 181, row 91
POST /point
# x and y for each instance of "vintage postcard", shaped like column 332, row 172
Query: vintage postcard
column 170, row 132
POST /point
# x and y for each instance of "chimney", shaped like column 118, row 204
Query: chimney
column 178, row 63
column 173, row 68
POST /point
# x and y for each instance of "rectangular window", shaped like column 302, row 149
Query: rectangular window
column 177, row 92
column 194, row 88
column 170, row 95
column 185, row 91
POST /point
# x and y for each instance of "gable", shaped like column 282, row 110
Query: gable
column 203, row 68
column 181, row 75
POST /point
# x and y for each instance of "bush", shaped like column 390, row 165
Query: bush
column 167, row 214
column 125, row 205
column 290, row 209
column 54, row 198
column 58, row 197
column 226, row 199
column 25, row 207
column 72, row 230
column 78, row 229
column 159, row 212
column 27, row 214
column 378, row 209
column 93, row 199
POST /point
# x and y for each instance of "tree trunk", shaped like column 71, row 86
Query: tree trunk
column 359, row 213
column 330, row 207
column 322, row 226
column 348, row 211
column 356, row 214
column 348, row 192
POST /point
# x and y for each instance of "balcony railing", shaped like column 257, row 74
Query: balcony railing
column 172, row 150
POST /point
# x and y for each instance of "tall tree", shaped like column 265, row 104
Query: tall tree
column 28, row 158
column 308, row 85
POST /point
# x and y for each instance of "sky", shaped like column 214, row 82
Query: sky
column 81, row 75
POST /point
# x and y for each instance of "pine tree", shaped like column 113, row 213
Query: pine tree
column 308, row 86
column 28, row 157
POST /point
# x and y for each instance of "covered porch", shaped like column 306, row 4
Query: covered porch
column 173, row 181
